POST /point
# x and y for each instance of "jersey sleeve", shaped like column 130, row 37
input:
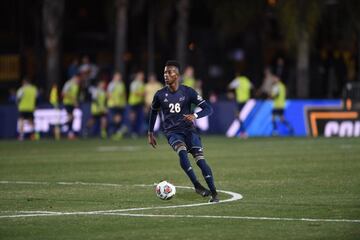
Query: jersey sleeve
column 19, row 93
column 155, row 105
column 66, row 88
column 195, row 97
column 275, row 91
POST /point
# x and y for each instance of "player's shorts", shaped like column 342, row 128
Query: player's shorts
column 240, row 106
column 278, row 112
column 189, row 138
column 69, row 108
column 116, row 111
column 27, row 115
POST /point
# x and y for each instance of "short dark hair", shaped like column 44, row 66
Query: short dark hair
column 173, row 63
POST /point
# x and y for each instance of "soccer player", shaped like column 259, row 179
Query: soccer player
column 70, row 94
column 188, row 78
column 98, row 109
column 278, row 94
column 26, row 99
column 174, row 101
column 136, row 102
column 116, row 94
column 242, row 86
column 54, row 100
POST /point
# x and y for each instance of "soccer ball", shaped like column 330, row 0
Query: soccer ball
column 165, row 190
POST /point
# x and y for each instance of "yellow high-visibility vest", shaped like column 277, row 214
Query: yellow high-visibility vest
column 279, row 95
column 26, row 96
column 243, row 89
column 137, row 90
column 54, row 96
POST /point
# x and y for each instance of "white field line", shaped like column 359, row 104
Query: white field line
column 236, row 217
column 183, row 216
column 234, row 197
column 122, row 212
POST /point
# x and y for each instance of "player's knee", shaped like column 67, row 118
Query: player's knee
column 180, row 147
column 198, row 154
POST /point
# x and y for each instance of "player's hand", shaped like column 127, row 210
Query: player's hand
column 152, row 139
column 189, row 117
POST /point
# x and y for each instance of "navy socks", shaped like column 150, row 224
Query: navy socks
column 207, row 173
column 205, row 169
column 186, row 166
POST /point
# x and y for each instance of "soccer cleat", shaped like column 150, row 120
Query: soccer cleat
column 202, row 191
column 214, row 198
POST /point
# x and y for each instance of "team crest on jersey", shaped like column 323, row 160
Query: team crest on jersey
column 182, row 99
column 199, row 98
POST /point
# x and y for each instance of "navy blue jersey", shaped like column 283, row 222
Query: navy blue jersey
column 174, row 105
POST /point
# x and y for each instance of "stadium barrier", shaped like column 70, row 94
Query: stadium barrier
column 307, row 117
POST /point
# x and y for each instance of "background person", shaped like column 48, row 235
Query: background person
column 116, row 102
column 26, row 101
column 151, row 87
column 188, row 78
column 278, row 94
column 242, row 86
column 70, row 94
column 136, row 102
column 98, row 121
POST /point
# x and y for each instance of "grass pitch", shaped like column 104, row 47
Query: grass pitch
column 283, row 178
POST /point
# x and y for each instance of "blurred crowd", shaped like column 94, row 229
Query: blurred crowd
column 119, row 109
column 116, row 110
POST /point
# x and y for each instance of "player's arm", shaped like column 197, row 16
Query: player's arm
column 206, row 108
column 19, row 95
column 152, row 119
column 275, row 91
column 233, row 84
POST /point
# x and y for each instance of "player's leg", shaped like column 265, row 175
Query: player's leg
column 69, row 109
column 34, row 134
column 103, row 125
column 273, row 120
column 241, row 131
column 286, row 123
column 21, row 127
column 205, row 170
column 57, row 131
column 119, row 128
column 133, row 118
column 177, row 142
column 111, row 116
column 197, row 152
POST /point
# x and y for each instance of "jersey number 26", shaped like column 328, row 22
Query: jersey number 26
column 175, row 108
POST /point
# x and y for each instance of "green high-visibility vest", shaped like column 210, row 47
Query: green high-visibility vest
column 189, row 81
column 26, row 96
column 98, row 105
column 137, row 90
column 117, row 95
column 279, row 95
column 243, row 89
column 70, row 93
